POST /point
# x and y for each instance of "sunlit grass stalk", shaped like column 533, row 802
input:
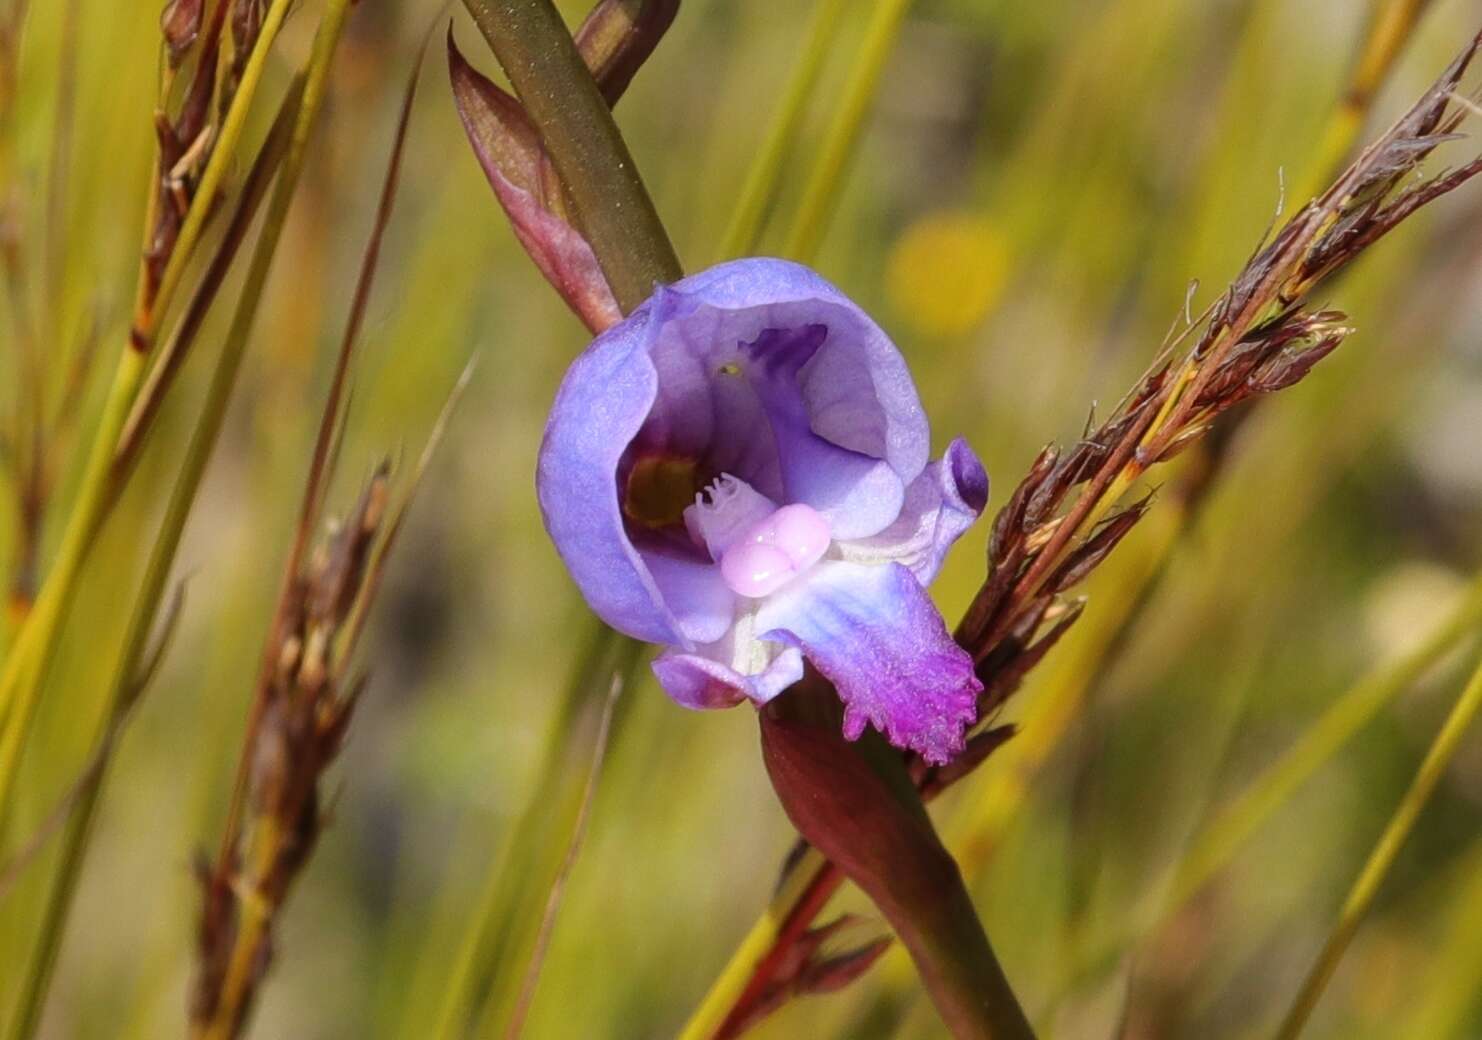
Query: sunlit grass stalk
column 759, row 192
column 812, row 879
column 1391, row 23
column 1366, row 887
column 712, row 1011
column 821, row 194
column 1452, row 974
column 483, row 983
column 124, row 687
column 1215, row 845
column 30, row 656
column 1343, row 719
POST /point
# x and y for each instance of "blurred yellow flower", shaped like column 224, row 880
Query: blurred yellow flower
column 946, row 271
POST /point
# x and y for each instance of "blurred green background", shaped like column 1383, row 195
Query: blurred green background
column 1036, row 187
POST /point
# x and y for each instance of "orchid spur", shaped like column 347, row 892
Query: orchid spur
column 739, row 471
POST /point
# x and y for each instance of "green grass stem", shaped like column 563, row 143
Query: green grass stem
column 1382, row 858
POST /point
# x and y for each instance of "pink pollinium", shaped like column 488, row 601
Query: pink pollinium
column 775, row 550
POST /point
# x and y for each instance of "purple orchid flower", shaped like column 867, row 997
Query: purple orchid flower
column 738, row 470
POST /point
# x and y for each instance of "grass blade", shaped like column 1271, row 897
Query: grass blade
column 759, row 192
column 1361, row 896
column 488, row 975
column 573, row 850
column 162, row 557
column 821, row 194
column 1215, row 845
column 29, row 658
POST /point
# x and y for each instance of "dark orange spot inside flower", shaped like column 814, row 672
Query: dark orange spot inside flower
column 660, row 488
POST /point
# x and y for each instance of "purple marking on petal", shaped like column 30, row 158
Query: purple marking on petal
column 859, row 392
column 875, row 634
column 700, row 682
column 858, row 494
column 967, row 491
column 940, row 506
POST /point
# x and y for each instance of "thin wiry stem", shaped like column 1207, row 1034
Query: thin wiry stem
column 841, row 140
column 320, row 460
column 60, row 163
column 568, row 862
column 502, row 936
column 1376, row 868
column 759, row 191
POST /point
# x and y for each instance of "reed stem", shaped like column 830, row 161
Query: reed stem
column 612, row 206
column 1361, row 896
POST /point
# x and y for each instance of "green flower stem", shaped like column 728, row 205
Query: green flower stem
column 613, row 209
column 1381, row 859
